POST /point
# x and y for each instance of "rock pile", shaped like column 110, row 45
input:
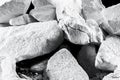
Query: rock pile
column 59, row 40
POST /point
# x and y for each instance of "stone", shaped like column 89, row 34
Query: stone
column 22, row 20
column 40, row 3
column 112, row 17
column 26, row 42
column 86, row 57
column 63, row 66
column 13, row 8
column 108, row 55
column 44, row 13
column 92, row 9
column 39, row 66
column 77, row 30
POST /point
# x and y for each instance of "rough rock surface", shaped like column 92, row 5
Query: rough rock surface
column 44, row 13
column 22, row 20
column 86, row 57
column 26, row 42
column 13, row 8
column 40, row 3
column 112, row 17
column 108, row 57
column 63, row 66
column 73, row 24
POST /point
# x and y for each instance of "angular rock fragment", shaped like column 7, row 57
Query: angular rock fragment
column 63, row 66
column 22, row 20
column 108, row 57
column 40, row 3
column 44, row 13
column 26, row 42
column 86, row 57
column 92, row 9
column 13, row 8
column 112, row 17
column 77, row 30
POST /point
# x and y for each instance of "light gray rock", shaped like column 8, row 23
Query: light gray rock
column 44, row 13
column 13, row 8
column 112, row 17
column 22, row 20
column 63, row 66
column 26, row 42
column 40, row 3
column 92, row 9
column 108, row 57
column 71, row 21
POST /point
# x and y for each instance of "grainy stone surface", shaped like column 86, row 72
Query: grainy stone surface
column 63, row 66
column 26, row 42
column 13, row 8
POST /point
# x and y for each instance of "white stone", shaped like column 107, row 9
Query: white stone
column 26, row 42
column 63, row 66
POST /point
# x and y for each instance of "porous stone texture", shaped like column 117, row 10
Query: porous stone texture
column 26, row 42
column 13, row 8
column 44, row 13
column 22, row 20
column 63, row 66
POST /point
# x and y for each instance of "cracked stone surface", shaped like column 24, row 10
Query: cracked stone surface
column 13, row 8
column 108, row 56
column 26, row 42
column 73, row 24
column 63, row 66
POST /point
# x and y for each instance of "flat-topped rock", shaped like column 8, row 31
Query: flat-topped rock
column 44, row 13
column 13, row 8
column 22, row 20
column 63, row 66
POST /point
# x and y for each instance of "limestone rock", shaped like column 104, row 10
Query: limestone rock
column 13, row 8
column 44, row 13
column 22, row 20
column 63, row 66
column 26, row 42
column 92, row 9
column 86, row 57
column 112, row 17
column 40, row 3
column 77, row 30
column 108, row 55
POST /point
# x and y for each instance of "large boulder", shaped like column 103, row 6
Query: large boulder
column 63, row 66
column 13, row 8
column 26, row 42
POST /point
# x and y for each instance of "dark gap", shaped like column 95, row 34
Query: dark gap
column 30, row 8
column 108, row 3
